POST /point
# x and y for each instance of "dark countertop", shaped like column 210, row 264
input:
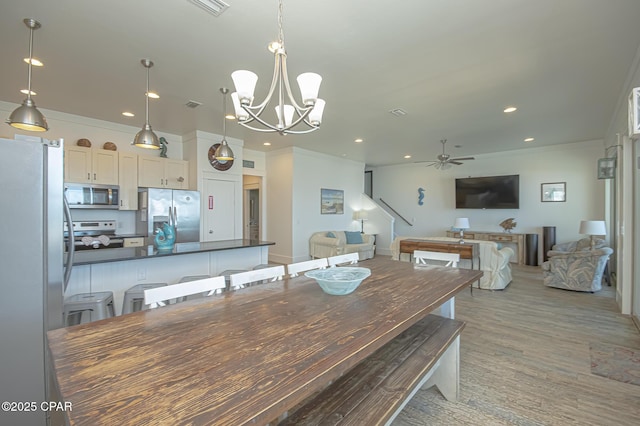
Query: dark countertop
column 89, row 257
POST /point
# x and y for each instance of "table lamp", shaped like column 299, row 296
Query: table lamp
column 361, row 215
column 592, row 227
column 461, row 223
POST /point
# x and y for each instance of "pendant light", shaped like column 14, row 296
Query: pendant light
column 27, row 116
column 145, row 138
column 224, row 152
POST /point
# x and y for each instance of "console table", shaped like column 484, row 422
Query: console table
column 498, row 237
column 466, row 251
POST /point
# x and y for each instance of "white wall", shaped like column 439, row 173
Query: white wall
column 295, row 177
column 279, row 166
column 573, row 163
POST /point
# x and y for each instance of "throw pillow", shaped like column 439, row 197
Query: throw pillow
column 583, row 244
column 331, row 235
column 353, row 237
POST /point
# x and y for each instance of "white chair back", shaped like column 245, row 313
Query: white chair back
column 350, row 258
column 421, row 256
column 155, row 297
column 295, row 268
column 240, row 280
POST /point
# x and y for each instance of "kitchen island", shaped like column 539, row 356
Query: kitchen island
column 242, row 357
column 118, row 269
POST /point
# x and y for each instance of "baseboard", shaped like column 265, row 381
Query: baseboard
column 636, row 321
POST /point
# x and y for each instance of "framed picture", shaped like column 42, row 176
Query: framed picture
column 331, row 201
column 606, row 168
column 553, row 192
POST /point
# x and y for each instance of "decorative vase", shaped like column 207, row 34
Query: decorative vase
column 165, row 237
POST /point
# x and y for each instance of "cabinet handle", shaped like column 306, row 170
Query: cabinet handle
column 180, row 179
column 211, row 231
column 94, row 177
column 88, row 176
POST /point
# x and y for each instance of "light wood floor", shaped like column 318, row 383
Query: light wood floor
column 525, row 360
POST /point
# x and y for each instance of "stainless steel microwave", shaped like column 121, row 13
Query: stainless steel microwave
column 81, row 196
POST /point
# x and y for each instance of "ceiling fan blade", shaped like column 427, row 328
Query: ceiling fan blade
column 462, row 159
column 435, row 163
column 455, row 162
column 426, row 161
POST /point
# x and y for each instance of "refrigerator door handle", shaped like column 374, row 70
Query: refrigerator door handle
column 70, row 248
column 175, row 216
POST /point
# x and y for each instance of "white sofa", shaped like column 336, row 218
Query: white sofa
column 494, row 262
column 321, row 245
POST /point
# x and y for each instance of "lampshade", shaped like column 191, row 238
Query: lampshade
column 593, row 227
column 309, row 83
column 360, row 215
column 461, row 223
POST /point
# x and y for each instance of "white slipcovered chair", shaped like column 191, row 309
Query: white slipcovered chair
column 494, row 261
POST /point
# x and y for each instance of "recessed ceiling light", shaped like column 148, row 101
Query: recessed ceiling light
column 510, row 109
column 267, row 144
column 529, row 139
column 128, row 114
column 35, row 62
column 407, row 156
column 26, row 92
column 153, row 95
column 359, row 140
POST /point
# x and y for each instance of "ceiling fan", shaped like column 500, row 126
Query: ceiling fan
column 444, row 160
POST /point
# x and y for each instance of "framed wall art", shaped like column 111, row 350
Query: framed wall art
column 331, row 201
column 553, row 192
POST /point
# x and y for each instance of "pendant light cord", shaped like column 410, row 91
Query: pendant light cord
column 30, row 61
column 147, row 94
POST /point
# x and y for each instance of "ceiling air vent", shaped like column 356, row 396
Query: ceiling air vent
column 398, row 112
column 214, row 7
column 192, row 104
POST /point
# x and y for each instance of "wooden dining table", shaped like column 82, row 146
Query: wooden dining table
column 242, row 357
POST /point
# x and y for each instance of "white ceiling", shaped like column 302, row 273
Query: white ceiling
column 452, row 65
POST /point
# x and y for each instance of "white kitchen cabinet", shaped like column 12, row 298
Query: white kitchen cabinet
column 87, row 165
column 128, row 180
column 156, row 172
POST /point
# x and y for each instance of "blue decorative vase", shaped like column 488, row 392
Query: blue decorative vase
column 165, row 237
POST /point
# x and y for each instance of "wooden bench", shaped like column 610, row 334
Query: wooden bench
column 376, row 390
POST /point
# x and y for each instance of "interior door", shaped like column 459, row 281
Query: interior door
column 219, row 205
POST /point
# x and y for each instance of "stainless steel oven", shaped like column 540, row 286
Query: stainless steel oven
column 81, row 196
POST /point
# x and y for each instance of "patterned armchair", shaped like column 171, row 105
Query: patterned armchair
column 574, row 266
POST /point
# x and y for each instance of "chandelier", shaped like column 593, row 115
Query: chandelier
column 289, row 114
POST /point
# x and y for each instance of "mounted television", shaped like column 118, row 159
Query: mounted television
column 490, row 192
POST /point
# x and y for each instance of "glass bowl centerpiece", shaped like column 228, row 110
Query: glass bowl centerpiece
column 339, row 280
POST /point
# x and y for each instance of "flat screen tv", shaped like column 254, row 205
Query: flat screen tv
column 490, row 192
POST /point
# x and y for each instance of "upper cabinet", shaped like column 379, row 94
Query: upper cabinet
column 128, row 180
column 87, row 165
column 157, row 172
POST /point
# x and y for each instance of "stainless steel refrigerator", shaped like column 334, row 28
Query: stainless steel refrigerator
column 177, row 206
column 31, row 273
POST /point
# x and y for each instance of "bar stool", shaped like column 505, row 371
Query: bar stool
column 98, row 305
column 265, row 265
column 227, row 274
column 134, row 297
column 190, row 278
